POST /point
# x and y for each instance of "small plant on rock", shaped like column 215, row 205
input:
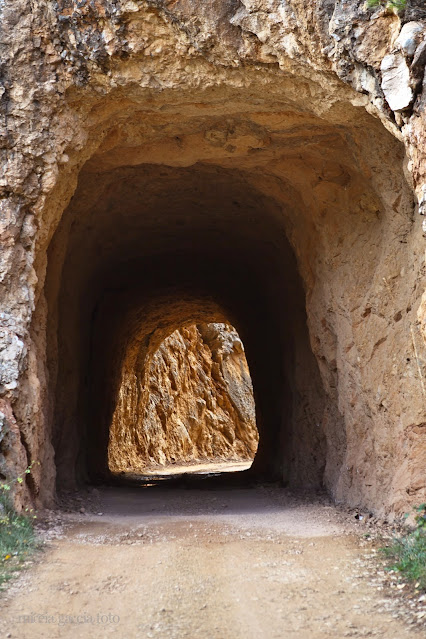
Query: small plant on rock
column 17, row 537
column 391, row 6
column 408, row 553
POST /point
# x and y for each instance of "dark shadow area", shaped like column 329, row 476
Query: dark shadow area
column 234, row 287
column 193, row 480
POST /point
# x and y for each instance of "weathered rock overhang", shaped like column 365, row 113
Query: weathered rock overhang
column 250, row 140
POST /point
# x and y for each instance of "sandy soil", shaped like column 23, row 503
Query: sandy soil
column 172, row 563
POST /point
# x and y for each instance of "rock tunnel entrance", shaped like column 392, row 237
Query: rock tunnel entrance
column 291, row 227
column 185, row 406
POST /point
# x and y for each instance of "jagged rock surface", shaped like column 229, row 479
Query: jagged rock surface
column 193, row 400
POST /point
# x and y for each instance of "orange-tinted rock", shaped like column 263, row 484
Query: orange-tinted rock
column 192, row 400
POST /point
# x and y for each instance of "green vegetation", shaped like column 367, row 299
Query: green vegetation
column 17, row 537
column 408, row 553
column 390, row 5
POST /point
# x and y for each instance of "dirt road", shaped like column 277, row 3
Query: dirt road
column 222, row 564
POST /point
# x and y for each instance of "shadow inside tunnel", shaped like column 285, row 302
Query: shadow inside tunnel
column 247, row 478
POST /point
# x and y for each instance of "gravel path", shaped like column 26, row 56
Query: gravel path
column 222, row 564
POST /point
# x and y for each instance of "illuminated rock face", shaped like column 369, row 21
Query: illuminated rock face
column 191, row 400
column 261, row 163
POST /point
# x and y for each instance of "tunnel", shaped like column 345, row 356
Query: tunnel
column 161, row 248
column 290, row 226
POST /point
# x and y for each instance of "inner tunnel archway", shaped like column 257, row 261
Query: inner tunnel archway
column 184, row 404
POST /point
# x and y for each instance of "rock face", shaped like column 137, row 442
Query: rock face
column 258, row 162
column 192, row 400
column 396, row 81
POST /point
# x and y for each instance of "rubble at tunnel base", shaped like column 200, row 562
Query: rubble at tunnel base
column 248, row 154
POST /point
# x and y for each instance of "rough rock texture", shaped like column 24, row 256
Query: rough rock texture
column 266, row 153
column 192, row 400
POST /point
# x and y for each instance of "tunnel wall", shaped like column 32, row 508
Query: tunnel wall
column 296, row 98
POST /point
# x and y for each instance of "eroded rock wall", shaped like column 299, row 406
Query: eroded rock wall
column 192, row 399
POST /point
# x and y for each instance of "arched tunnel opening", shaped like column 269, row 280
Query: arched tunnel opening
column 163, row 247
column 290, row 228
column 159, row 248
column 184, row 406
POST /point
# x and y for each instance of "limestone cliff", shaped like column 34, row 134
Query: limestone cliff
column 193, row 400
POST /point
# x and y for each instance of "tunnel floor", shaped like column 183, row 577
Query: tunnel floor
column 144, row 563
column 207, row 472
